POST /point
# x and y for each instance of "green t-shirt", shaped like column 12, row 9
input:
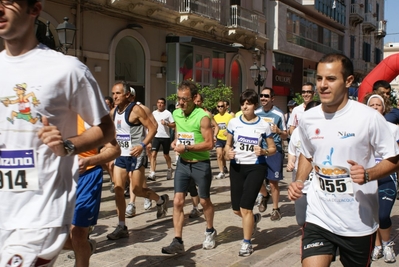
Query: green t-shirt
column 189, row 132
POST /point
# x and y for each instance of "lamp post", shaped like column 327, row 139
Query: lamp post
column 66, row 34
column 258, row 75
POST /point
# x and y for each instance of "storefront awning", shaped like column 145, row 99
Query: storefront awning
column 201, row 42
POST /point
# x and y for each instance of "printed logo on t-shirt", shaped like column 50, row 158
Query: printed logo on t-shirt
column 15, row 261
column 24, row 107
column 344, row 135
column 317, row 134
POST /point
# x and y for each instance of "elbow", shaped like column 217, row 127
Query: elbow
column 272, row 150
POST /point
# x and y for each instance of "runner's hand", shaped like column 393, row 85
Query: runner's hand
column 356, row 172
column 295, row 190
column 136, row 151
column 51, row 136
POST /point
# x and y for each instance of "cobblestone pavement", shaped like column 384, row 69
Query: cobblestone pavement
column 276, row 243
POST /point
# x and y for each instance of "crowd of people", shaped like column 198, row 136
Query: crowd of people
column 59, row 133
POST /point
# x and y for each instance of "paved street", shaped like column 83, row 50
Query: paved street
column 276, row 244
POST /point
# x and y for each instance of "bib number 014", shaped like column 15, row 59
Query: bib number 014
column 13, row 180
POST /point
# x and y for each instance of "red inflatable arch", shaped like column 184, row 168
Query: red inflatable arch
column 386, row 70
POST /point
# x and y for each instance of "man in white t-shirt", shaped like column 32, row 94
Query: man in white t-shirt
column 342, row 209
column 165, row 121
column 307, row 95
column 41, row 92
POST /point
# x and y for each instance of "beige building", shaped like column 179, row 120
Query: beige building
column 154, row 44
column 390, row 49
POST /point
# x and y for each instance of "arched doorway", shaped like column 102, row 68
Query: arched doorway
column 130, row 65
column 236, row 84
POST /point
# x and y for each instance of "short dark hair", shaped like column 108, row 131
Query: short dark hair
column 381, row 83
column 163, row 99
column 249, row 95
column 309, row 84
column 187, row 84
column 272, row 94
column 110, row 99
column 347, row 65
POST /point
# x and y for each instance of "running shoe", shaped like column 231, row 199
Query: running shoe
column 147, row 203
column 225, row 170
column 112, row 188
column 119, row 232
column 174, row 248
column 209, row 242
column 130, row 210
column 258, row 200
column 151, row 176
column 389, row 254
column 275, row 215
column 195, row 213
column 257, row 218
column 377, row 253
column 220, row 175
column 163, row 208
column 169, row 173
column 263, row 203
column 246, row 249
column 93, row 245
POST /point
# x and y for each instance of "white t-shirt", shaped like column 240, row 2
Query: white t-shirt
column 296, row 115
column 58, row 87
column 355, row 132
column 245, row 136
column 163, row 130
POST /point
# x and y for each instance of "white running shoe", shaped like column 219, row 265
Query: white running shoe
column 209, row 242
column 147, row 203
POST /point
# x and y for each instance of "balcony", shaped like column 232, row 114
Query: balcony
column 356, row 15
column 369, row 24
column 359, row 66
column 370, row 66
column 204, row 8
column 298, row 40
column 381, row 28
column 242, row 18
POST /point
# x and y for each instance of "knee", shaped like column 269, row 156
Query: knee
column 205, row 202
column 79, row 235
column 178, row 202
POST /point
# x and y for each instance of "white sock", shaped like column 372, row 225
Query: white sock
column 160, row 201
column 122, row 223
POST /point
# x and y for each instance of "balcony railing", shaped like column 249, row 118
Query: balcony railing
column 242, row 18
column 205, row 8
column 370, row 20
column 382, row 28
column 298, row 40
column 356, row 15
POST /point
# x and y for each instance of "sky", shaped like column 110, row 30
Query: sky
column 391, row 15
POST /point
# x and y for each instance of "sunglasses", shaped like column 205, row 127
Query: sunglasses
column 307, row 92
column 220, row 106
column 264, row 95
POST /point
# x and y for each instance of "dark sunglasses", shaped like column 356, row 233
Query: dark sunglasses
column 307, row 92
column 264, row 95
column 220, row 106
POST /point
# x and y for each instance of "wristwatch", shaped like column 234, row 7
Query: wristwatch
column 69, row 147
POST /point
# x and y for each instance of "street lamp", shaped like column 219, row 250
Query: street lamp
column 66, row 34
column 258, row 75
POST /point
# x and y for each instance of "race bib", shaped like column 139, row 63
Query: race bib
column 186, row 139
column 18, row 170
column 245, row 143
column 333, row 179
column 123, row 140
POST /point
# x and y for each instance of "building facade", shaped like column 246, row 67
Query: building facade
column 154, row 44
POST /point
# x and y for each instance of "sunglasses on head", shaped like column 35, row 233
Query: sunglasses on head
column 264, row 95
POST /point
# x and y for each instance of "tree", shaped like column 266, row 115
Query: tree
column 211, row 95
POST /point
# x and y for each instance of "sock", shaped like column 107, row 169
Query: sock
column 179, row 239
column 384, row 243
column 160, row 201
column 247, row 241
column 122, row 223
column 210, row 230
column 152, row 173
column 195, row 207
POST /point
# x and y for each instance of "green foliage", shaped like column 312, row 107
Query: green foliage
column 299, row 99
column 211, row 95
